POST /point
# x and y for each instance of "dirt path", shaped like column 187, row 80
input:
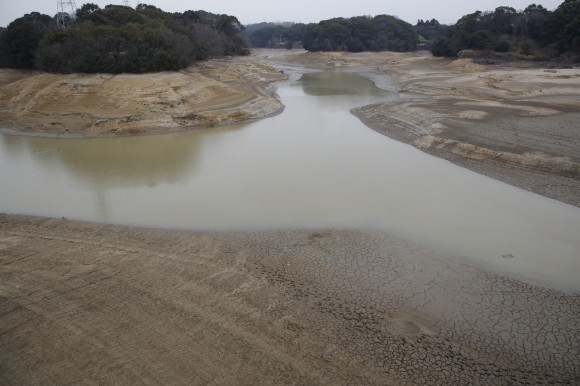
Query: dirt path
column 94, row 303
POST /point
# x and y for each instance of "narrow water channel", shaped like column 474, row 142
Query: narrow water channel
column 313, row 166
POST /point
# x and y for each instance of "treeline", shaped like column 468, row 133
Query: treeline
column 534, row 32
column 120, row 39
column 277, row 35
column 429, row 31
column 355, row 34
column 253, row 27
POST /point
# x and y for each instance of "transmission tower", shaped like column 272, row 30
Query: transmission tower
column 126, row 3
column 65, row 14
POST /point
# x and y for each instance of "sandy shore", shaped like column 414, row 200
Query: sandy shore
column 515, row 122
column 217, row 92
column 94, row 303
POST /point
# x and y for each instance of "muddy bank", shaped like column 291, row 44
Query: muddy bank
column 216, row 92
column 539, row 154
column 512, row 122
column 515, row 124
column 93, row 303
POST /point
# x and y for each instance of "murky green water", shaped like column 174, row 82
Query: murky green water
column 314, row 166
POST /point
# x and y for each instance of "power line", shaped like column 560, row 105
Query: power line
column 65, row 13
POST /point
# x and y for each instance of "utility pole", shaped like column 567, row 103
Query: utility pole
column 65, row 13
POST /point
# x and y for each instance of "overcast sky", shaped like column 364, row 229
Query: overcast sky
column 304, row 11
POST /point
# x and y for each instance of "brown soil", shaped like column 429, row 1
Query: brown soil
column 94, row 303
column 212, row 93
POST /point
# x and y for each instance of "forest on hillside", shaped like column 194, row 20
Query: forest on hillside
column 534, row 33
column 355, row 34
column 119, row 39
column 277, row 35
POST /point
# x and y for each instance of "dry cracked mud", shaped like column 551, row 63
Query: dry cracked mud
column 94, row 303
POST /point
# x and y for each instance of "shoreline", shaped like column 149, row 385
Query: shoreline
column 512, row 122
column 509, row 133
column 554, row 177
column 318, row 307
column 151, row 131
column 445, row 107
column 214, row 93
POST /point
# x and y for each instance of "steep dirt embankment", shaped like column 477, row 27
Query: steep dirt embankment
column 90, row 105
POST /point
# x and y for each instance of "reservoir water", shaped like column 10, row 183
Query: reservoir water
column 313, row 166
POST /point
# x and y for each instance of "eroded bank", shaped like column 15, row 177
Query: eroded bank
column 213, row 93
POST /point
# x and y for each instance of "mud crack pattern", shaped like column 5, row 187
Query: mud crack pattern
column 94, row 303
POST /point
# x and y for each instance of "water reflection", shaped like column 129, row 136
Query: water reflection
column 103, row 164
column 113, row 162
column 340, row 83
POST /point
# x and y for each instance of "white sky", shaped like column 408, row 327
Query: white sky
column 255, row 11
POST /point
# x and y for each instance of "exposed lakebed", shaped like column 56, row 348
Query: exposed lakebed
column 313, row 166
